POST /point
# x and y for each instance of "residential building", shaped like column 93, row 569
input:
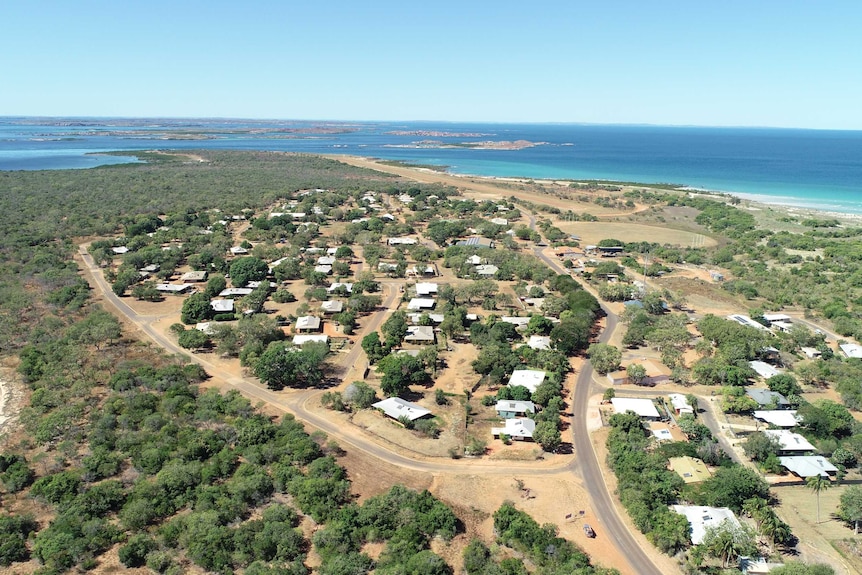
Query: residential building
column 691, row 469
column 420, row 303
column 331, row 306
column 300, row 339
column 222, row 305
column 779, row 417
column 765, row 397
column 517, row 429
column 680, row 404
column 644, row 408
column 396, row 408
column 529, row 378
column 194, row 277
column 510, row 408
column 805, row 466
column 425, row 288
column 790, row 443
column 700, row 518
column 419, row 334
column 307, row 323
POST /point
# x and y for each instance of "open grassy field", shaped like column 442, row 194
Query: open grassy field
column 592, row 232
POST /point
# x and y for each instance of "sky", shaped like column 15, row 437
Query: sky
column 781, row 63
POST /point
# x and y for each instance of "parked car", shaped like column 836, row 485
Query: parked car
column 589, row 531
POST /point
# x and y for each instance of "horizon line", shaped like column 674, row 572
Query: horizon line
column 486, row 122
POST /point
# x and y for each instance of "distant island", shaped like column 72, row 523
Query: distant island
column 437, row 134
column 484, row 145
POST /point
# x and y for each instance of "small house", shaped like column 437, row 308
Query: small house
column 307, row 323
column 644, row 408
column 419, row 334
column 691, row 469
column 517, row 429
column 529, row 378
column 222, row 305
column 300, row 339
column 396, row 408
column 790, row 443
column 765, row 397
column 331, row 306
column 509, row 408
column 193, row 277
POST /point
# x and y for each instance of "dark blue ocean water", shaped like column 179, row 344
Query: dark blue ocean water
column 811, row 168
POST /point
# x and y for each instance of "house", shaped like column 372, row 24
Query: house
column 810, row 352
column 691, row 469
column 396, row 408
column 307, row 323
column 517, row 429
column 789, row 443
column 610, row 251
column 747, row 321
column 851, row 350
column 476, row 241
column 420, row 303
column 120, row 250
column 700, row 518
column 422, row 270
column 499, row 222
column 509, row 408
column 256, row 284
column 206, row 327
column 774, row 317
column 194, row 277
column 434, row 317
column 150, row 269
column 763, row 369
column 661, row 432
column 348, row 287
column 222, row 305
column 419, row 333
column 765, row 397
column 644, row 408
column 227, row 292
column 238, row 251
column 331, row 306
column 680, row 404
column 539, row 342
column 778, row 417
column 474, row 260
column 424, row 288
column 323, row 269
column 172, row 288
column 403, row 241
column 516, row 321
column 536, row 302
column 806, row 466
column 325, row 260
column 529, row 378
column 782, row 326
column 300, row 339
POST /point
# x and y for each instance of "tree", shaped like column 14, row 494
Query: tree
column 798, row 568
column 850, row 508
column 247, row 269
column 760, row 446
column 359, row 395
column 572, row 334
column 636, row 373
column 399, row 372
column 373, row 348
column 215, row 285
column 281, row 366
column 394, row 329
column 193, row 339
column 818, row 483
column 728, row 540
column 547, row 435
column 784, row 383
column 196, row 308
column 604, row 357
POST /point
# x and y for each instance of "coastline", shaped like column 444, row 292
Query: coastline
column 750, row 201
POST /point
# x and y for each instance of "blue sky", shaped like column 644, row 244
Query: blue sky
column 729, row 63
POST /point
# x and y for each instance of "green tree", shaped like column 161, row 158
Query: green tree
column 215, row 284
column 727, row 541
column 399, row 372
column 547, row 434
column 196, row 308
column 246, row 269
column 636, row 373
column 798, row 568
column 283, row 366
column 193, row 339
column 605, row 358
column 818, row 484
column 850, row 508
column 373, row 347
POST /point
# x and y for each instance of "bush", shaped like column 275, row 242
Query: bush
column 427, row 427
column 134, row 553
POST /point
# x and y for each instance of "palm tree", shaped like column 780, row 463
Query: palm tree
column 818, row 483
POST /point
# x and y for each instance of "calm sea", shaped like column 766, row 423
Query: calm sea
column 810, row 168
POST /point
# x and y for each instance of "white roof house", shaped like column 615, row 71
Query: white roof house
column 298, row 340
column 172, row 288
column 387, row 267
column 222, row 305
column 500, row 221
column 851, row 350
column 331, row 306
column 529, row 378
column 194, row 276
column 763, row 369
column 808, row 465
column 336, row 285
column 403, row 241
column 810, row 352
column 539, row 342
column 746, row 321
column 206, row 327
column 789, row 441
column 778, row 417
column 307, row 322
column 773, row 317
column 323, row 269
column 680, row 403
column 238, row 250
column 641, row 406
column 235, row 291
column 120, row 250
column 434, row 317
column 514, row 406
column 700, row 518
column 420, row 303
column 425, row 288
column 396, row 408
column 419, row 333
column 516, row 321
column 516, row 428
column 325, row 260
column 474, row 260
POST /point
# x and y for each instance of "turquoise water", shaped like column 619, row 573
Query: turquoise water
column 812, row 168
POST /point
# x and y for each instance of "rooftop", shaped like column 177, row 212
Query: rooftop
column 395, row 407
column 808, row 465
column 641, row 406
column 691, row 469
column 702, row 517
column 419, row 333
column 529, row 378
column 516, row 428
column 778, row 417
column 300, row 339
column 308, row 322
column 789, row 441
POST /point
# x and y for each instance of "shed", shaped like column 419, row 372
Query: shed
column 680, row 403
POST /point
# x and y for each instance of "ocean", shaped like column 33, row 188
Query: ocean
column 808, row 168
